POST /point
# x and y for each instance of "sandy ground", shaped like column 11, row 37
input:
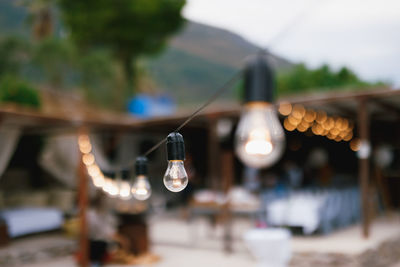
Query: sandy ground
column 197, row 244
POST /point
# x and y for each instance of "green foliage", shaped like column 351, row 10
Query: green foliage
column 98, row 76
column 16, row 91
column 300, row 79
column 55, row 57
column 14, row 53
column 129, row 28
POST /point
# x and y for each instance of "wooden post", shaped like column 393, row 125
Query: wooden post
column 363, row 171
column 82, row 206
column 213, row 155
column 227, row 174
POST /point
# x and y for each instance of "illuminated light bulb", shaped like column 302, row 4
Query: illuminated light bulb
column 141, row 188
column 338, row 123
column 98, row 181
column 175, row 177
column 338, row 138
column 310, row 116
column 294, row 121
column 348, row 136
column 321, row 116
column 355, row 144
column 288, row 126
column 301, row 128
column 305, row 124
column 285, row 108
column 259, row 137
column 93, row 170
column 328, row 124
column 334, row 131
column 259, row 142
column 85, row 148
column 110, row 187
column 331, row 136
column 88, row 159
column 125, row 190
column 123, row 186
column 317, row 129
column 342, row 134
column 345, row 125
column 298, row 111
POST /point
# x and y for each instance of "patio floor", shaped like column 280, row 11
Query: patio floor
column 197, row 244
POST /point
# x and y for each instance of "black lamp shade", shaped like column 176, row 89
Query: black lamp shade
column 175, row 147
column 258, row 80
column 141, row 166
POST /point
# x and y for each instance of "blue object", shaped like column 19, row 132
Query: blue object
column 147, row 106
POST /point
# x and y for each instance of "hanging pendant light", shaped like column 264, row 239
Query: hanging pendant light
column 259, row 138
column 141, row 188
column 124, row 187
column 175, row 177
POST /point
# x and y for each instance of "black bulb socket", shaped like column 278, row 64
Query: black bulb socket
column 141, row 166
column 175, row 147
column 259, row 84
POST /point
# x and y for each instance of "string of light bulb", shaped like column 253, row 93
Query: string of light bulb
column 175, row 177
column 318, row 122
column 259, row 139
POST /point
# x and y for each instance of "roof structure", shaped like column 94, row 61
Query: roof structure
column 70, row 113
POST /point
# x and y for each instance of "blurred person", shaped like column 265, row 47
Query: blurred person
column 293, row 174
column 252, row 179
column 102, row 230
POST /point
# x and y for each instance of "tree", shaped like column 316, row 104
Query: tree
column 300, row 79
column 130, row 28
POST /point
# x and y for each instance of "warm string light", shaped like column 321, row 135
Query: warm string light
column 318, row 122
column 113, row 187
column 259, row 139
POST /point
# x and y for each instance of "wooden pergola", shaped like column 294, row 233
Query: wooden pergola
column 361, row 106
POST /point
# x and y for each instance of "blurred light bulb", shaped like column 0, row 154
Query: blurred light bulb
column 88, row 159
column 124, row 190
column 260, row 138
column 175, row 178
column 110, row 187
column 141, row 188
column 98, row 181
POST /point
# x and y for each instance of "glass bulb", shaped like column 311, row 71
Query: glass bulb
column 175, row 178
column 259, row 138
column 141, row 188
column 98, row 180
column 110, row 187
column 124, row 189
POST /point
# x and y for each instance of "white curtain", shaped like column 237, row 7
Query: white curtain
column 60, row 156
column 8, row 142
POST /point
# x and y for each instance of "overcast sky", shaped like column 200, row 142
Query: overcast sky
column 361, row 34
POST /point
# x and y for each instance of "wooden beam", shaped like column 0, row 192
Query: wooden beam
column 363, row 172
column 395, row 110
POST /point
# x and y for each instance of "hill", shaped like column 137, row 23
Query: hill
column 196, row 61
column 199, row 59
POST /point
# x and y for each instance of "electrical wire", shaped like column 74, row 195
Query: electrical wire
column 295, row 22
column 288, row 27
column 211, row 99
